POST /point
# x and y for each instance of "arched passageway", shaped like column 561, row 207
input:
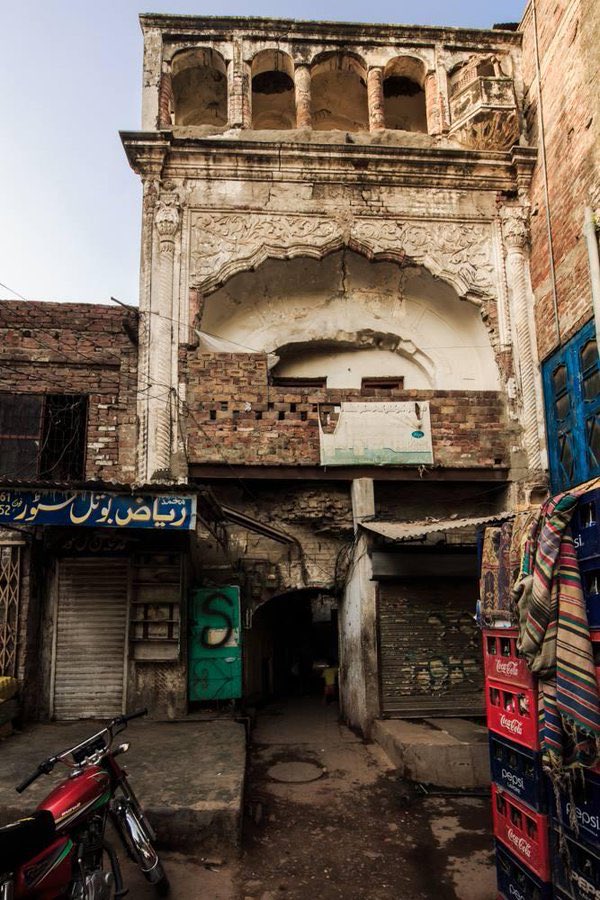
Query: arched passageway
column 292, row 638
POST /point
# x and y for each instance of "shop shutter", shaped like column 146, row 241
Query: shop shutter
column 90, row 638
column 429, row 648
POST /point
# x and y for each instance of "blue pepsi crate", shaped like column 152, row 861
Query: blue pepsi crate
column 590, row 580
column 516, row 881
column 586, row 801
column 519, row 771
column 579, row 877
column 585, row 525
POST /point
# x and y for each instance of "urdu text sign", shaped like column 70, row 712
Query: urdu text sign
column 97, row 510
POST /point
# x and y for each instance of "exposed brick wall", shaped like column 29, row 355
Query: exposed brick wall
column 78, row 348
column 235, row 416
column 569, row 40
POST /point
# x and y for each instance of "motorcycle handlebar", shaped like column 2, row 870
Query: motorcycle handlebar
column 122, row 720
column 46, row 767
column 43, row 769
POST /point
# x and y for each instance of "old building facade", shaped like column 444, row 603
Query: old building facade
column 82, row 625
column 335, row 266
column 560, row 69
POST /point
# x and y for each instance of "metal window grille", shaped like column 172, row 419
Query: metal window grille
column 62, row 453
column 42, row 436
column 10, row 561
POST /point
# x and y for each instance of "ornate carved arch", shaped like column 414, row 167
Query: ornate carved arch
column 225, row 243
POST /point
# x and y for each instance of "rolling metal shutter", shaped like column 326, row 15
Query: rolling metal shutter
column 429, row 648
column 91, row 632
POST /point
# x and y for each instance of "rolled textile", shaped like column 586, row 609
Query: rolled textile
column 496, row 578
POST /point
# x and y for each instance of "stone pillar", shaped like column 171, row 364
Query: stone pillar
column 515, row 232
column 240, row 105
column 375, row 99
column 359, row 686
column 433, row 105
column 166, row 100
column 162, row 400
column 302, row 83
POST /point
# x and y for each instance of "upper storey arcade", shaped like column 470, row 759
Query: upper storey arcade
column 283, row 80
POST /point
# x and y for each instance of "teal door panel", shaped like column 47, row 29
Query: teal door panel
column 215, row 653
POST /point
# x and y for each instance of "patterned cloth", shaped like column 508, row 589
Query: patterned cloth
column 554, row 638
column 496, row 578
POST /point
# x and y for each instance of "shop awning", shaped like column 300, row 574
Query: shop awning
column 410, row 531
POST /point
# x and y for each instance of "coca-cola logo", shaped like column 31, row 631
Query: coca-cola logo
column 513, row 892
column 507, row 667
column 585, row 818
column 520, row 843
column 512, row 779
column 512, row 725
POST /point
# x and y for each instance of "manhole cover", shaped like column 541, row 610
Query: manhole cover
column 295, row 772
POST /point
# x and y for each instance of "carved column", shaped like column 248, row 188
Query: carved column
column 515, row 231
column 433, row 104
column 240, row 107
column 302, row 83
column 165, row 100
column 162, row 405
column 375, row 99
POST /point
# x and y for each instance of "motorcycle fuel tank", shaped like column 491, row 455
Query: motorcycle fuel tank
column 78, row 796
column 48, row 874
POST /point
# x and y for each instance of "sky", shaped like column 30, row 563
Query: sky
column 70, row 70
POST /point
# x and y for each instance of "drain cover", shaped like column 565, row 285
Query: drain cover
column 295, row 772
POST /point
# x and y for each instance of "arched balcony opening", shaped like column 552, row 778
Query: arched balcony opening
column 273, row 92
column 339, row 93
column 199, row 87
column 404, row 94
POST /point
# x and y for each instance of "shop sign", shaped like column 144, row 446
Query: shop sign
column 394, row 433
column 98, row 510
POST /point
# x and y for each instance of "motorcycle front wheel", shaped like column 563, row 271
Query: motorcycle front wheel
column 137, row 840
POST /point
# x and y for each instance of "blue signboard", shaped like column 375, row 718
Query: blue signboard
column 97, row 510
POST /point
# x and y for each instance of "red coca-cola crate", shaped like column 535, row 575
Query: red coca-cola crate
column 512, row 712
column 500, row 659
column 524, row 831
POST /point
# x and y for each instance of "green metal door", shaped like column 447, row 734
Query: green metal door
column 215, row 653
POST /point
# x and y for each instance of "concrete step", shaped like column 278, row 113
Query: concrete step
column 188, row 776
column 450, row 753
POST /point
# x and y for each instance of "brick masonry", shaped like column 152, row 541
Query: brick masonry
column 233, row 415
column 569, row 38
column 62, row 348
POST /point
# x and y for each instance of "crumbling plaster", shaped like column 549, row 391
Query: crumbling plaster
column 346, row 301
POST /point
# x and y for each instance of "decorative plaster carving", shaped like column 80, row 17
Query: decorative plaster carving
column 223, row 244
column 227, row 243
column 515, row 227
column 492, row 130
column 460, row 253
column 167, row 219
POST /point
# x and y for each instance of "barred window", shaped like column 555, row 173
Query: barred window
column 42, row 436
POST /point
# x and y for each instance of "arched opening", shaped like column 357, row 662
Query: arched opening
column 199, row 88
column 404, row 94
column 345, row 318
column 273, row 97
column 339, row 93
column 293, row 638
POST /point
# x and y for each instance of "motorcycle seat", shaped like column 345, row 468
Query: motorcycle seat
column 24, row 839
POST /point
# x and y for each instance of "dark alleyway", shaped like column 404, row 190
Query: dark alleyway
column 357, row 831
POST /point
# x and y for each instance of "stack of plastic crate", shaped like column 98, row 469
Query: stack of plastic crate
column 519, row 794
column 575, row 814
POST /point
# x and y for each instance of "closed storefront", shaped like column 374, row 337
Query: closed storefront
column 429, row 648
column 90, row 638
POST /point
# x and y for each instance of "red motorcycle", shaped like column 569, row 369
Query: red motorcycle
column 60, row 851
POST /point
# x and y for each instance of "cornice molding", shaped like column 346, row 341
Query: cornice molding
column 153, row 154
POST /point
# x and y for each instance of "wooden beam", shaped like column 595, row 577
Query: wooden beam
column 216, row 472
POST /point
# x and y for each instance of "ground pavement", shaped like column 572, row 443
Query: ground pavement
column 358, row 831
